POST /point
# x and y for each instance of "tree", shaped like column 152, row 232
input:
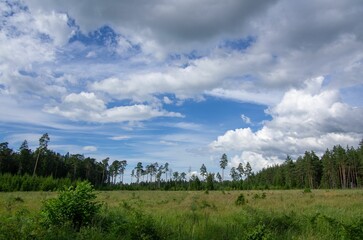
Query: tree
column 43, row 144
column 139, row 170
column 183, row 176
column 153, row 170
column 24, row 157
column 313, row 169
column 234, row 174
column 210, row 181
column 223, row 163
column 203, row 171
column 241, row 170
column 132, row 174
column 123, row 165
column 219, row 177
column 166, row 169
column 104, row 169
column 6, row 163
column 340, row 159
column 114, row 170
column 248, row 170
column 289, row 170
column 176, row 176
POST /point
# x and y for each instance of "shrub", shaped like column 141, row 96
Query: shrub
column 241, row 200
column 75, row 206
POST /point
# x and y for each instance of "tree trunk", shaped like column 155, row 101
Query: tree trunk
column 36, row 164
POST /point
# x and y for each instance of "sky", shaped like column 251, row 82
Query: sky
column 182, row 81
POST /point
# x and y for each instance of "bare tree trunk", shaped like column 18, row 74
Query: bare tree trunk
column 36, row 164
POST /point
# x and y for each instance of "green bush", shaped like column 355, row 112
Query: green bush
column 241, row 200
column 75, row 206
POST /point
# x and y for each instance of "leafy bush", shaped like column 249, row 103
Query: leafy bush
column 258, row 233
column 258, row 196
column 75, row 206
column 241, row 200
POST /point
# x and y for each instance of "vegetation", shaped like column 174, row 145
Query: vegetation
column 73, row 206
column 44, row 169
column 266, row 214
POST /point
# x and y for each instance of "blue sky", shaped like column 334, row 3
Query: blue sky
column 182, row 82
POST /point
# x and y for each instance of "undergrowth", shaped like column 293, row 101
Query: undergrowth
column 202, row 217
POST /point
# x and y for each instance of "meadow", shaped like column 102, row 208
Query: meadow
column 269, row 214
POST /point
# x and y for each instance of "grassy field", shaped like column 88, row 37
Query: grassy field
column 285, row 214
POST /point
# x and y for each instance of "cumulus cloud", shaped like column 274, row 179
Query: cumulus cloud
column 54, row 25
column 312, row 118
column 87, row 106
column 183, row 82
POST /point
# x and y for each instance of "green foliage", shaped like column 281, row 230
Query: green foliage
column 259, row 196
column 307, row 190
column 12, row 183
column 337, row 168
column 75, row 206
column 194, row 215
column 258, row 233
column 241, row 200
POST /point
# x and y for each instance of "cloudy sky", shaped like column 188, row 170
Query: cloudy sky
column 182, row 81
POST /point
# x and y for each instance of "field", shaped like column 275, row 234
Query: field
column 285, row 214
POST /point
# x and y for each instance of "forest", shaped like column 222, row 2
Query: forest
column 44, row 169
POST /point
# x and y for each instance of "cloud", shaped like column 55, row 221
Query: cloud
column 246, row 51
column 90, row 148
column 168, row 25
column 88, row 107
column 55, row 25
column 312, row 118
column 215, row 75
column 184, row 83
column 267, row 97
column 246, row 119
column 119, row 138
column 167, row 100
column 257, row 160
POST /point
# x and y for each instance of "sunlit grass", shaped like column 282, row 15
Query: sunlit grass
column 290, row 214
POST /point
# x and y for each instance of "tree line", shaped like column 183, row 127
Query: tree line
column 44, row 169
column 336, row 168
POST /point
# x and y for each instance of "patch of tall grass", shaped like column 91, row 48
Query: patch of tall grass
column 285, row 214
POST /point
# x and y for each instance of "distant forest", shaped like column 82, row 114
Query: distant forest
column 44, row 169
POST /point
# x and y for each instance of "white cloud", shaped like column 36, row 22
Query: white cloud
column 291, row 42
column 91, row 54
column 54, row 25
column 187, row 126
column 90, row 148
column 312, row 118
column 120, row 137
column 88, row 107
column 246, row 119
column 256, row 160
column 268, row 97
column 167, row 100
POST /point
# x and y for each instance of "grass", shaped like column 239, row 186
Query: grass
column 285, row 214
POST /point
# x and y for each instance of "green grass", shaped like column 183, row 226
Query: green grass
column 285, row 214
